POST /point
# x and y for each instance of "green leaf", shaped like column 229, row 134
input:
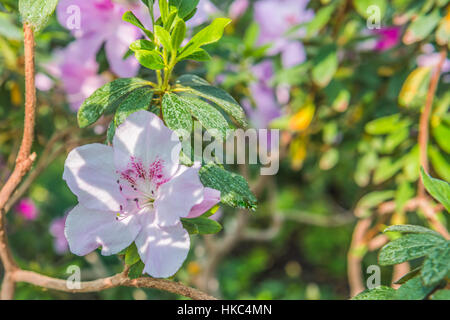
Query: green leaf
column 149, row 59
column 234, row 189
column 440, row 163
column 441, row 134
column 414, row 88
column 421, row 27
column 320, row 20
column 185, row 7
column 383, row 125
column 209, row 117
column 131, row 18
column 37, row 12
column 378, row 293
column 413, row 290
column 371, row 200
column 438, row 189
column 408, row 247
column 251, row 35
column 132, row 255
column 386, row 169
column 142, row 44
column 412, row 274
column 175, row 114
column 201, row 225
column 163, row 10
column 325, row 65
column 164, row 37
column 437, row 265
column 107, row 98
column 409, row 228
column 110, row 132
column 441, row 295
column 136, row 270
column 363, row 7
column 178, row 34
column 200, row 87
column 209, row 34
column 139, row 99
column 198, row 55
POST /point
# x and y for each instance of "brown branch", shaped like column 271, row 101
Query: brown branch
column 354, row 257
column 24, row 158
column 120, row 279
column 425, row 119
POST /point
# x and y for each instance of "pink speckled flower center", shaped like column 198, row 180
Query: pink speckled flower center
column 139, row 184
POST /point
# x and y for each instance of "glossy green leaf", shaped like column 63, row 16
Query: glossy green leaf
column 142, row 44
column 437, row 265
column 37, row 12
column 164, row 37
column 201, row 225
column 200, row 87
column 139, row 99
column 131, row 18
column 378, row 293
column 175, row 113
column 149, row 59
column 107, row 98
column 136, row 270
column 209, row 117
column 413, row 290
column 441, row 295
column 132, row 255
column 185, row 7
column 178, row 34
column 408, row 247
column 438, row 189
column 409, row 228
column 209, row 34
column 198, row 55
column 234, row 190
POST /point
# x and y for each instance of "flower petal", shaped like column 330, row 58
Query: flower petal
column 116, row 47
column 88, row 229
column 90, row 174
column 145, row 137
column 163, row 250
column 210, row 198
column 177, row 197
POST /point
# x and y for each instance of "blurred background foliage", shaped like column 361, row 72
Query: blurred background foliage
column 348, row 101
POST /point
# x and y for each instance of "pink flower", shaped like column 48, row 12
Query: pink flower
column 57, row 231
column 135, row 191
column 266, row 108
column 100, row 22
column 205, row 9
column 388, row 38
column 276, row 17
column 238, row 8
column 27, row 209
column 77, row 70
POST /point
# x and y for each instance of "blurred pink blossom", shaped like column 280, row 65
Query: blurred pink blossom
column 276, row 18
column 43, row 82
column 57, row 231
column 27, row 209
column 101, row 23
column 238, row 8
column 77, row 71
column 388, row 37
column 266, row 108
